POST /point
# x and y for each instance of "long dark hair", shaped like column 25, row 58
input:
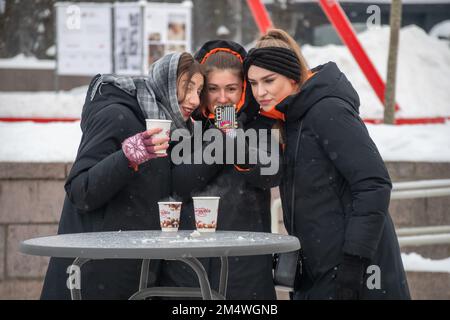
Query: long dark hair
column 188, row 65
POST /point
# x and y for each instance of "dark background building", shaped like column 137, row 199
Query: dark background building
column 311, row 26
column 28, row 26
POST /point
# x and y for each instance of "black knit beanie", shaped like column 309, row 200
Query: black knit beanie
column 280, row 60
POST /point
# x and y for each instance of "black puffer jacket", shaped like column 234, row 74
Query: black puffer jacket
column 244, row 206
column 104, row 194
column 341, row 188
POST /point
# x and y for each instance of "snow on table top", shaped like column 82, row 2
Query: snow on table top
column 158, row 244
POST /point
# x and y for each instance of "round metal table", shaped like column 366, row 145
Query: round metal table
column 184, row 246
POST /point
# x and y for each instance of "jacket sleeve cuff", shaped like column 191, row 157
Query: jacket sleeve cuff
column 363, row 234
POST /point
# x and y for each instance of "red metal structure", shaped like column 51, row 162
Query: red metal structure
column 260, row 15
column 38, row 119
column 343, row 27
column 371, row 121
column 400, row 121
column 339, row 20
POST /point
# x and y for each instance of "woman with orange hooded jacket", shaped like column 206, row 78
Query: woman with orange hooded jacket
column 244, row 192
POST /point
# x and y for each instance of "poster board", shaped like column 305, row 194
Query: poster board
column 124, row 38
column 84, row 38
column 128, row 30
column 168, row 28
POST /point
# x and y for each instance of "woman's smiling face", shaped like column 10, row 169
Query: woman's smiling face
column 269, row 87
column 223, row 87
column 189, row 100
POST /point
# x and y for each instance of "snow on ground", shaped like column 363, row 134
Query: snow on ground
column 427, row 143
column 442, row 29
column 33, row 142
column 422, row 83
column 423, row 74
column 22, row 62
column 53, row 142
column 370, row 1
column 423, row 91
column 415, row 262
column 43, row 104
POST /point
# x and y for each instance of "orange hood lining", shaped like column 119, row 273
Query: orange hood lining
column 274, row 113
column 241, row 102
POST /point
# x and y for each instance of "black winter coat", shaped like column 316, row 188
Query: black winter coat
column 104, row 194
column 341, row 189
column 244, row 206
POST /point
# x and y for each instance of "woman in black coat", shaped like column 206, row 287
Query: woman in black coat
column 335, row 188
column 244, row 192
column 117, row 179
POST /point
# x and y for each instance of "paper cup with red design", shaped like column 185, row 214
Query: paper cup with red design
column 159, row 123
column 205, row 209
column 169, row 215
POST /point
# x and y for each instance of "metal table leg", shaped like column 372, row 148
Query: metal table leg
column 173, row 292
column 75, row 290
column 205, row 291
column 202, row 276
column 223, row 276
column 144, row 274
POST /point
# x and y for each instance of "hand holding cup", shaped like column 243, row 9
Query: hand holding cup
column 144, row 146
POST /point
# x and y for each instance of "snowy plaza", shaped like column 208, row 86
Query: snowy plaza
column 40, row 128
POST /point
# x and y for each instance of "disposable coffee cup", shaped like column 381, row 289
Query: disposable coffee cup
column 205, row 209
column 158, row 123
column 169, row 215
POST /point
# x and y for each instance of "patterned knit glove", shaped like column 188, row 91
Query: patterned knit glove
column 144, row 146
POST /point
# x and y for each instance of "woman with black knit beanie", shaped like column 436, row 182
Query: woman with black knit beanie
column 335, row 188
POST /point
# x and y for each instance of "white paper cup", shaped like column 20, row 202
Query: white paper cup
column 169, row 215
column 158, row 123
column 205, row 209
